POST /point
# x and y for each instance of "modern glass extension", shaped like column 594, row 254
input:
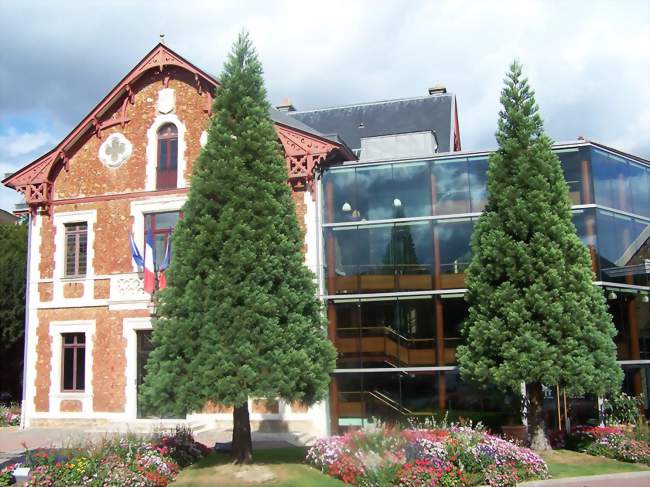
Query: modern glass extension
column 395, row 246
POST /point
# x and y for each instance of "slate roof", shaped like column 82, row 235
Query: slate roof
column 352, row 122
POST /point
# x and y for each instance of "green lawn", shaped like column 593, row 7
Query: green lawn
column 290, row 469
column 567, row 463
column 288, row 465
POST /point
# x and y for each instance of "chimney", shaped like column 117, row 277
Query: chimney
column 437, row 89
column 286, row 106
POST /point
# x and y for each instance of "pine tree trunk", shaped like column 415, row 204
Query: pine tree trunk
column 242, row 445
column 536, row 426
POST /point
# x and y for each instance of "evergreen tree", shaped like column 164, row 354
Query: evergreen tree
column 240, row 317
column 13, row 249
column 534, row 314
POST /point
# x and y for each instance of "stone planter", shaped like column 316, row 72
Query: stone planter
column 515, row 432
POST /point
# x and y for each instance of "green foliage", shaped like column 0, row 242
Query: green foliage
column 534, row 314
column 240, row 316
column 623, row 409
column 13, row 249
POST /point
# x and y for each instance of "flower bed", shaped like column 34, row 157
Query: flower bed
column 127, row 461
column 609, row 441
column 455, row 456
column 9, row 415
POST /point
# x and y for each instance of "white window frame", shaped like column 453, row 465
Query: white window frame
column 57, row 394
column 158, row 205
column 60, row 220
column 152, row 150
column 130, row 327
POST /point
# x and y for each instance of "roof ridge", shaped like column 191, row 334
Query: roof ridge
column 379, row 102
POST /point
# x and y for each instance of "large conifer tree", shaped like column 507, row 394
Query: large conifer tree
column 534, row 314
column 240, row 317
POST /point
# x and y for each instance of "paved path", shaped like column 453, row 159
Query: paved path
column 629, row 479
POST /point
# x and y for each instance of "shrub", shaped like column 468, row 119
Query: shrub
column 128, row 461
column 623, row 409
column 9, row 415
column 432, row 457
column 6, row 475
column 611, row 442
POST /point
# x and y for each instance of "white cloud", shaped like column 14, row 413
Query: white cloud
column 20, row 148
column 18, row 144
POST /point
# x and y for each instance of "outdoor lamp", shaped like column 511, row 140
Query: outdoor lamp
column 397, row 202
column 346, row 207
column 645, row 299
column 611, row 295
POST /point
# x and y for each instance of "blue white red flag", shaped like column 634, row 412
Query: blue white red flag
column 149, row 264
column 162, row 280
column 135, row 253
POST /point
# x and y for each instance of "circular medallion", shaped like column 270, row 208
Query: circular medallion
column 115, row 150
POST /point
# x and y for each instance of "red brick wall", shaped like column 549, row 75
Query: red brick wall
column 87, row 176
column 109, row 361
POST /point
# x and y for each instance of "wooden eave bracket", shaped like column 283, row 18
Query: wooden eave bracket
column 303, row 154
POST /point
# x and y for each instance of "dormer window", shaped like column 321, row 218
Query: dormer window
column 167, row 167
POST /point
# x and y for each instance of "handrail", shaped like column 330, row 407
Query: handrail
column 392, row 331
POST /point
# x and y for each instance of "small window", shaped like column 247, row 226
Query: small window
column 74, row 362
column 76, row 249
column 167, row 168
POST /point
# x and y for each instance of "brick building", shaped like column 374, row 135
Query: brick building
column 124, row 167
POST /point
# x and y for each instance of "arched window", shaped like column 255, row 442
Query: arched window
column 167, row 168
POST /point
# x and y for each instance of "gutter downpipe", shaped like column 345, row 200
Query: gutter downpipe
column 23, row 403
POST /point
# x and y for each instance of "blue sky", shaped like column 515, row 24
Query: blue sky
column 588, row 61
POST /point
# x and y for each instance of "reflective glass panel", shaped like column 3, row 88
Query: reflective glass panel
column 376, row 263
column 375, row 192
column 631, row 317
column 412, row 246
column 344, row 252
column 411, row 189
column 339, row 199
column 620, row 183
column 478, row 183
column 453, row 241
column 450, row 186
column 379, row 336
column 454, row 312
column 575, row 165
column 585, row 223
column 417, row 329
column 348, row 333
column 622, row 248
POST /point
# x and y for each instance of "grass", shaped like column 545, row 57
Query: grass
column 567, row 463
column 288, row 465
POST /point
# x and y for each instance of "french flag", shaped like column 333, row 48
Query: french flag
column 135, row 253
column 149, row 265
column 162, row 280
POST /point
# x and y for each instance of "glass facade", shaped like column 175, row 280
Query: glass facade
column 406, row 331
column 398, row 256
column 402, row 396
column 396, row 235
